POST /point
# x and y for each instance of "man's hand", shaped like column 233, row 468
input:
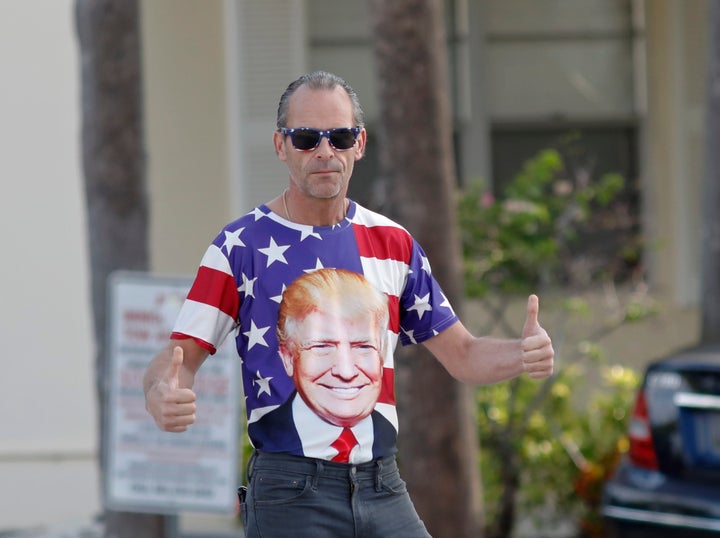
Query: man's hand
column 172, row 407
column 537, row 349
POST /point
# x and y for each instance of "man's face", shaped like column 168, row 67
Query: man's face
column 323, row 172
column 337, row 367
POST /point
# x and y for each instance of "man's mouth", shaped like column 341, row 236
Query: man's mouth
column 324, row 170
column 344, row 391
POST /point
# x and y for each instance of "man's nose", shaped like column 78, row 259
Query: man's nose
column 344, row 367
column 324, row 149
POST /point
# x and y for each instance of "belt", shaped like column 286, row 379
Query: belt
column 313, row 466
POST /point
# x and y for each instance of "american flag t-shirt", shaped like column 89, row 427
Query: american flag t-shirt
column 239, row 286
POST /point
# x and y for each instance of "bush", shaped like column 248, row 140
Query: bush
column 551, row 444
column 563, row 453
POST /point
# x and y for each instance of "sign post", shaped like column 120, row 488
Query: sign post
column 149, row 470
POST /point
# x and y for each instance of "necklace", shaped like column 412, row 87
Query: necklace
column 285, row 207
column 287, row 211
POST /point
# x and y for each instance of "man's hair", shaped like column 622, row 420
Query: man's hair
column 319, row 80
column 349, row 291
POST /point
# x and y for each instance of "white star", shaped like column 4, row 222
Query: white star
column 421, row 305
column 411, row 335
column 248, row 286
column 426, row 264
column 232, row 239
column 318, row 265
column 278, row 298
column 256, row 335
column 308, row 231
column 447, row 304
column 263, row 384
column 274, row 252
column 258, row 214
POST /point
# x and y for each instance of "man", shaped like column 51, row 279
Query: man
column 240, row 282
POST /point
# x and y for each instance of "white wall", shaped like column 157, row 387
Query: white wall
column 672, row 189
column 47, row 405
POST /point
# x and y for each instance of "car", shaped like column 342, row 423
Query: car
column 668, row 482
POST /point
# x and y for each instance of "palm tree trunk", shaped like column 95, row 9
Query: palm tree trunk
column 114, row 168
column 438, row 442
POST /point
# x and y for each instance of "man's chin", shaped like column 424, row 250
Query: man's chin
column 344, row 421
column 326, row 187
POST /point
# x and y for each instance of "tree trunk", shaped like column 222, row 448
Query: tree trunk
column 503, row 523
column 438, row 444
column 710, row 296
column 114, row 169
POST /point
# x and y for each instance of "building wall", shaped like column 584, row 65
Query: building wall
column 214, row 71
column 48, row 424
column 186, row 129
column 559, row 59
column 675, row 148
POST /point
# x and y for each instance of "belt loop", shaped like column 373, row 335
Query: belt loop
column 251, row 463
column 378, row 474
column 319, row 467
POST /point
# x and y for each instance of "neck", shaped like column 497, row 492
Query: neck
column 312, row 212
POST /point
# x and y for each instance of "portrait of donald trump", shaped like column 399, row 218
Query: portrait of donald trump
column 332, row 338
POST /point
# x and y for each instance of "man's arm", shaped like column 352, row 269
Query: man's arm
column 485, row 360
column 168, row 382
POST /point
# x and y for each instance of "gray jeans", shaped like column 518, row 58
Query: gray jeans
column 295, row 497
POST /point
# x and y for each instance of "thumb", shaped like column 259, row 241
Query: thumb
column 531, row 320
column 173, row 372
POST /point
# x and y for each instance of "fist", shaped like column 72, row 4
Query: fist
column 537, row 350
column 172, row 407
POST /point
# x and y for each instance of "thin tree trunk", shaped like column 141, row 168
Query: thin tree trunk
column 503, row 523
column 710, row 296
column 438, row 440
column 114, row 168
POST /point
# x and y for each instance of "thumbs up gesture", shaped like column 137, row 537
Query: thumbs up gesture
column 537, row 349
column 171, row 405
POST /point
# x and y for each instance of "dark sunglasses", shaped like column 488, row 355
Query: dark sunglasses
column 307, row 139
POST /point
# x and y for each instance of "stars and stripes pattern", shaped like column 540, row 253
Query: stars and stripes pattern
column 242, row 276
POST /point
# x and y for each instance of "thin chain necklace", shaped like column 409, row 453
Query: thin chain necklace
column 287, row 211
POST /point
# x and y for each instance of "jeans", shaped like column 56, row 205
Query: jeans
column 296, row 497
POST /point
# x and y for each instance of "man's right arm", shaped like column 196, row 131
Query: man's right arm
column 168, row 382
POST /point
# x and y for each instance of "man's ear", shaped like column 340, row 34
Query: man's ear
column 287, row 358
column 279, row 143
column 361, row 141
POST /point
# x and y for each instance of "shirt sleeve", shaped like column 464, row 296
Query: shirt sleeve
column 424, row 309
column 209, row 312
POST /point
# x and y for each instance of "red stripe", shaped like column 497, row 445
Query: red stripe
column 215, row 288
column 394, row 308
column 387, row 391
column 202, row 343
column 383, row 242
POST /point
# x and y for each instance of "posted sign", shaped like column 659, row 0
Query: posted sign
column 149, row 470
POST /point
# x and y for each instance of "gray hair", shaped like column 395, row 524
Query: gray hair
column 319, row 80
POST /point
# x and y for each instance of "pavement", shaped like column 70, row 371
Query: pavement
column 89, row 531
column 96, row 530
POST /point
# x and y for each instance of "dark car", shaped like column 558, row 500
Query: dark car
column 668, row 484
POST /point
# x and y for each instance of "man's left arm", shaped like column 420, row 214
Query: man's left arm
column 485, row 360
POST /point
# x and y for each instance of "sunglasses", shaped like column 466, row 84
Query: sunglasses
column 307, row 139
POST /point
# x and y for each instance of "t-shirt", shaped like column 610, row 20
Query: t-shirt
column 239, row 287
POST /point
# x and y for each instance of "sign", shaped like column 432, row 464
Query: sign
column 149, row 470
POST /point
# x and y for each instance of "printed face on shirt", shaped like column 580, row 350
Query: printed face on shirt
column 336, row 364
